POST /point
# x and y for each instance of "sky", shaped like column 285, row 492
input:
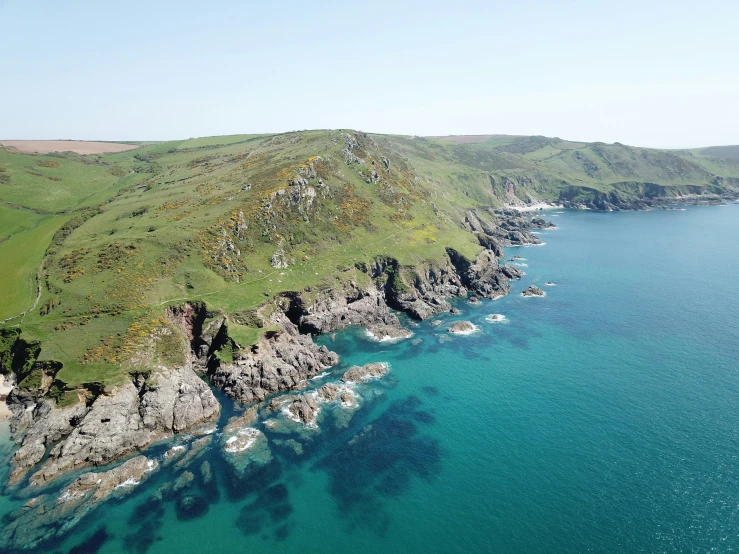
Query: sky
column 648, row 73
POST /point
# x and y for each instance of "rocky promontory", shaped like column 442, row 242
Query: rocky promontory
column 125, row 419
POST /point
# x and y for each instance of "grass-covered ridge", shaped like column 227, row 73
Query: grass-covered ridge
column 233, row 221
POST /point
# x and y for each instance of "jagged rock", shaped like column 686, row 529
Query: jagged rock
column 337, row 308
column 388, row 333
column 455, row 311
column 357, row 374
column 278, row 362
column 279, row 259
column 305, row 408
column 50, row 425
column 126, row 419
column 347, row 399
column 173, row 454
column 45, row 518
column 511, row 272
column 533, row 290
column 462, row 328
column 328, row 392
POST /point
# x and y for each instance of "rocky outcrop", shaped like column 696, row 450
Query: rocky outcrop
column 462, row 328
column 280, row 361
column 328, row 392
column 645, row 196
column 304, row 408
column 356, row 374
column 388, row 333
column 484, row 277
column 533, row 290
column 125, row 419
column 332, row 309
column 44, row 518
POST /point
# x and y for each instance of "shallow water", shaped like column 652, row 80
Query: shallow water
column 601, row 417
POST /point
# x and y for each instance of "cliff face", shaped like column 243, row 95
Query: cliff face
column 284, row 359
column 279, row 361
column 123, row 420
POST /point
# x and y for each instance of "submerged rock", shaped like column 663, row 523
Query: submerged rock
column 47, row 517
column 191, row 506
column 366, row 372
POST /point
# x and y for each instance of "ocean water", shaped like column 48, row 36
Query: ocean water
column 599, row 418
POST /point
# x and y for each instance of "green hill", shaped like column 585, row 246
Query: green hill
column 233, row 221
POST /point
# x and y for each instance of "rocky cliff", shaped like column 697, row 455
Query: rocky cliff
column 125, row 419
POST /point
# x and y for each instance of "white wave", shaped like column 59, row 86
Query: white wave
column 130, row 482
column 243, row 440
column 536, row 207
column 496, row 318
column 534, row 295
column 472, row 331
column 386, row 338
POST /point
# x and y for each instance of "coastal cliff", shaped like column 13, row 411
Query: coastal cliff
column 106, row 424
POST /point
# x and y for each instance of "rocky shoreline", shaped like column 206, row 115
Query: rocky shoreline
column 54, row 441
column 657, row 200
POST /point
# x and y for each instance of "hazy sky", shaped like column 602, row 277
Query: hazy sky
column 649, row 73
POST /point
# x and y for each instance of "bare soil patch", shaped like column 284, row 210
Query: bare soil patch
column 78, row 146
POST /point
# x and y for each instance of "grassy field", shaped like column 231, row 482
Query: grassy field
column 13, row 221
column 25, row 250
column 202, row 219
column 55, row 184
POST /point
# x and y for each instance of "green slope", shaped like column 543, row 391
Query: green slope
column 202, row 219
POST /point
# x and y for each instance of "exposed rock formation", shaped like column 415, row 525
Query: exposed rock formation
column 278, row 362
column 388, row 333
column 328, row 392
column 462, row 328
column 335, row 309
column 126, row 419
column 46, row 517
column 305, row 408
column 356, row 374
column 533, row 290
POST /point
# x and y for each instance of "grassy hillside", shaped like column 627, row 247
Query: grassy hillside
column 232, row 221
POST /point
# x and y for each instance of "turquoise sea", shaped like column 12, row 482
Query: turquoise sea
column 600, row 418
